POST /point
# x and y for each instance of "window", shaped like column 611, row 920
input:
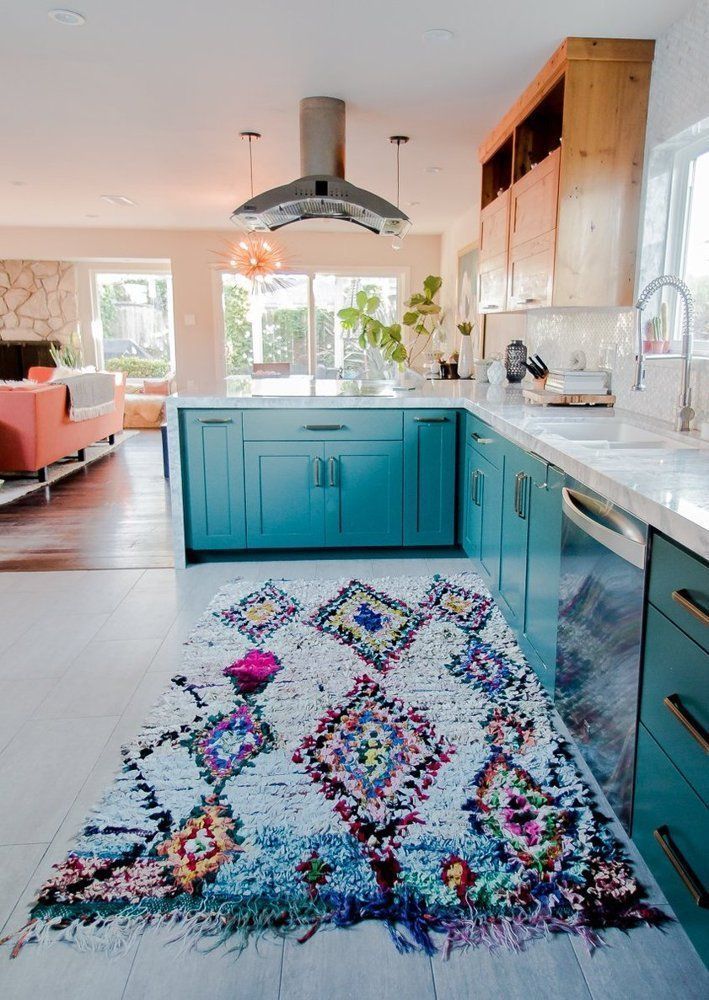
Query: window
column 688, row 237
column 295, row 330
column 136, row 322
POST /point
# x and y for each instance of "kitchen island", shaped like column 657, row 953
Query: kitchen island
column 637, row 463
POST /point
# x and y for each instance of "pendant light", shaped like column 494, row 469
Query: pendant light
column 398, row 140
column 259, row 259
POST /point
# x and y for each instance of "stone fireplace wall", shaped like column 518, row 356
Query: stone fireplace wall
column 38, row 300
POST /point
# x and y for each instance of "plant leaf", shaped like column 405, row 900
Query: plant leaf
column 361, row 300
column 432, row 284
column 410, row 318
column 399, row 354
column 372, row 304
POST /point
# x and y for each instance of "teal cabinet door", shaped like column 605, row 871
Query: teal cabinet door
column 487, row 498
column 364, row 494
column 429, row 477
column 543, row 567
column 213, row 479
column 285, row 494
column 516, row 490
column 470, row 512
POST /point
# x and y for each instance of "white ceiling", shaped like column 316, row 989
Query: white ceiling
column 148, row 97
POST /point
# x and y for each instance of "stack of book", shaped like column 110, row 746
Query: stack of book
column 574, row 383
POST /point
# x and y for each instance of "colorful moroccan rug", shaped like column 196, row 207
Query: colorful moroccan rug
column 332, row 752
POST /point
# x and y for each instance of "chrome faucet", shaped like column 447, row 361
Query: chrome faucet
column 685, row 413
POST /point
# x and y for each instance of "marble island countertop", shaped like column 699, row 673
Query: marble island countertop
column 662, row 480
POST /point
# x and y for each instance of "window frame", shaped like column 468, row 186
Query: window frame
column 148, row 268
column 678, row 221
column 402, row 274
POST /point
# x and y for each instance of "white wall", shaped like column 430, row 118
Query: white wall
column 198, row 348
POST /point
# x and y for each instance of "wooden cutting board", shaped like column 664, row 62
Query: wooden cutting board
column 540, row 397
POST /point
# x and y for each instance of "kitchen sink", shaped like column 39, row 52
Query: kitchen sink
column 616, row 434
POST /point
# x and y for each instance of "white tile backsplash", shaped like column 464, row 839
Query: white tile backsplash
column 607, row 337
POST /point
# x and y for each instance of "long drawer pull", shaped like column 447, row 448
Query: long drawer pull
column 331, row 463
column 685, row 601
column 481, row 440
column 317, row 479
column 323, row 427
column 693, row 727
column 695, row 887
column 215, row 420
column 431, row 420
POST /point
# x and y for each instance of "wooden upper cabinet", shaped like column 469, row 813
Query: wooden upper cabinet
column 494, row 221
column 568, row 159
column 534, row 201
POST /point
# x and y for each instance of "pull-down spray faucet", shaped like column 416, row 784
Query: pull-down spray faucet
column 685, row 413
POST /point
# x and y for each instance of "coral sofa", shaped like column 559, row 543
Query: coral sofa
column 35, row 429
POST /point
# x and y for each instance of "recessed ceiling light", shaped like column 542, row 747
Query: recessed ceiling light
column 70, row 18
column 433, row 170
column 19, row 184
column 438, row 35
column 413, row 204
column 117, row 199
column 91, row 215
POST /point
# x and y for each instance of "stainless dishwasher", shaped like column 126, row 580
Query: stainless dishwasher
column 601, row 595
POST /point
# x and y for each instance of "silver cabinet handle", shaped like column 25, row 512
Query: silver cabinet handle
column 215, row 420
column 519, row 495
column 431, row 420
column 331, row 462
column 693, row 726
column 683, row 599
column 491, row 305
column 323, row 427
column 695, row 888
column 475, row 481
column 317, row 480
column 481, row 440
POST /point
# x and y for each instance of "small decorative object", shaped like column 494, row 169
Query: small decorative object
column 465, row 361
column 515, row 358
column 69, row 355
column 656, row 340
column 481, row 366
column 577, row 361
column 496, row 373
column 453, row 365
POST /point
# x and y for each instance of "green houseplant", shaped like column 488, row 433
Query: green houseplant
column 423, row 317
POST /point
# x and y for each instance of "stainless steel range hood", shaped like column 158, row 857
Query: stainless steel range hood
column 322, row 192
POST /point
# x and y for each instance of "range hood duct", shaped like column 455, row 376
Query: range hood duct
column 322, row 192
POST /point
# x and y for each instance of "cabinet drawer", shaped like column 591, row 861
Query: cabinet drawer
column 484, row 440
column 679, row 587
column 677, row 668
column 311, row 425
column 665, row 803
column 531, row 272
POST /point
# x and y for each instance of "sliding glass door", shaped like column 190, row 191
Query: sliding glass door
column 295, row 329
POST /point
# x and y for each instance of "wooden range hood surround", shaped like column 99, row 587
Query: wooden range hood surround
column 563, row 232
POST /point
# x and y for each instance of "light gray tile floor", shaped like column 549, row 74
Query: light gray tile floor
column 83, row 656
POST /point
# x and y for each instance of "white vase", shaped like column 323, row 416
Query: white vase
column 465, row 357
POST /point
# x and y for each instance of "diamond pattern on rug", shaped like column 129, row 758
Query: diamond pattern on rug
column 375, row 759
column 468, row 608
column 229, row 742
column 282, row 786
column 373, row 624
column 260, row 614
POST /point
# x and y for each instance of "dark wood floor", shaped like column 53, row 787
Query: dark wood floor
column 113, row 514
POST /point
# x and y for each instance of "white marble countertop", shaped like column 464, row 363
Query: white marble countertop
column 667, row 487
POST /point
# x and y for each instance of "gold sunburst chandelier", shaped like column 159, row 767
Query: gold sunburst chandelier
column 259, row 259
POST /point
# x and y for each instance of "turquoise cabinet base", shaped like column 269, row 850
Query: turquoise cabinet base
column 363, row 493
column 516, row 496
column 429, row 477
column 213, row 476
column 671, row 829
column 285, row 494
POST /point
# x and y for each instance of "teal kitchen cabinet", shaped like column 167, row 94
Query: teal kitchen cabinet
column 671, row 829
column 213, row 479
column 285, row 494
column 484, row 516
column 363, row 493
column 429, row 477
column 466, row 503
column 541, row 610
column 516, row 490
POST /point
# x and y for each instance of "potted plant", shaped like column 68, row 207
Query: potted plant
column 423, row 318
column 465, row 362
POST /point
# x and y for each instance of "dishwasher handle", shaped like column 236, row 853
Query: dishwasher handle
column 609, row 527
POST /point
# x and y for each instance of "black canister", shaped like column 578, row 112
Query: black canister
column 515, row 358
